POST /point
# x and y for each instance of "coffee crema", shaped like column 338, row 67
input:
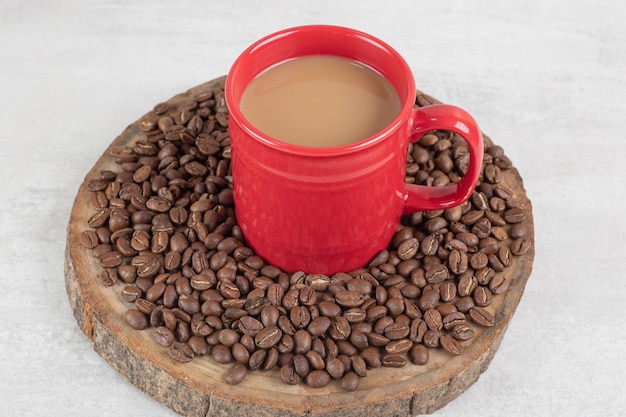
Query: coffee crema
column 320, row 101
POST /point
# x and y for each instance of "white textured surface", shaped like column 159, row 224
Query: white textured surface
column 544, row 79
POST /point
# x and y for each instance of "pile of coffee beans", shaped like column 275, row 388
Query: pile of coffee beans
column 165, row 233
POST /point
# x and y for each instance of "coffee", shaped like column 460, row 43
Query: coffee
column 320, row 101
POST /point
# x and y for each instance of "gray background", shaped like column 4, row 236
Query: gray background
column 544, row 79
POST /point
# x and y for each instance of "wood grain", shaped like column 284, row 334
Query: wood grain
column 197, row 388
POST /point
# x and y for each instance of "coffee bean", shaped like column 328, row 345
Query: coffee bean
column 447, row 291
column 451, row 345
column 136, row 319
column 408, row 248
column 289, row 376
column 268, row 337
column 430, row 297
column 431, row 338
column 452, row 320
column 301, row 365
column 467, row 284
column 315, row 359
column 521, row 245
column 372, row 357
column 339, row 328
column 436, row 273
column 319, row 325
column 257, row 358
column 498, row 284
column 236, row 374
column 350, row 381
column 181, row 352
column 419, row 355
column 462, row 332
column 514, row 215
column 163, row 336
column 482, row 316
column 429, row 245
column 393, row 360
column 482, row 296
column 349, row 298
column 457, row 261
column 302, row 340
column 318, row 378
column 335, row 367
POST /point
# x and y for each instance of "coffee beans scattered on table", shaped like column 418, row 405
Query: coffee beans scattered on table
column 165, row 234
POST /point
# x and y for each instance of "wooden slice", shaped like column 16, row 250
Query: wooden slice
column 197, row 388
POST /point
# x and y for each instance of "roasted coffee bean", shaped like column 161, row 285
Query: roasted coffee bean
column 447, row 291
column 300, row 316
column 372, row 357
column 163, row 336
column 521, row 245
column 464, row 304
column 269, row 315
column 315, row 359
column 181, row 352
column 462, row 332
column 301, row 365
column 484, row 275
column 453, row 319
column 257, row 358
column 498, row 284
column 329, row 309
column 429, row 245
column 289, row 376
column 450, row 344
column 339, row 328
column 358, row 365
column 417, row 330
column 398, row 346
column 514, row 215
column 286, row 325
column 349, row 298
column 393, row 360
column 436, row 273
column 467, row 284
column 89, row 239
column 430, row 297
column 318, row 378
column 433, row 319
column 350, row 381
column 131, row 293
column 457, row 261
column 408, row 248
column 236, row 374
column 335, row 367
column 268, row 337
column 482, row 296
column 419, row 355
column 431, row 338
column 481, row 316
column 221, row 354
column 136, row 319
column 319, row 325
column 479, row 260
column 302, row 340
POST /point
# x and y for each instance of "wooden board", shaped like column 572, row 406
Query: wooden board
column 197, row 388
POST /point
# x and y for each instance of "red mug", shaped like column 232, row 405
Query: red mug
column 327, row 210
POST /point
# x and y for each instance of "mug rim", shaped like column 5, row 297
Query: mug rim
column 400, row 67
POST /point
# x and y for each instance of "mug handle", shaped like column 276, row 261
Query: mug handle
column 457, row 120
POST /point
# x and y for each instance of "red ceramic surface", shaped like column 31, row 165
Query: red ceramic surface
column 325, row 210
